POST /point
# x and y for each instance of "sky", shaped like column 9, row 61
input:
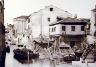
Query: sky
column 15, row 8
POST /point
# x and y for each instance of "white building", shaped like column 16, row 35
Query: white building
column 20, row 27
column 40, row 20
column 9, row 35
column 93, row 20
column 71, row 30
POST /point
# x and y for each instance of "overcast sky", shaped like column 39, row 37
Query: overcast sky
column 15, row 8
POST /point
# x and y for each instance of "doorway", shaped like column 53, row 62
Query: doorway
column 72, row 43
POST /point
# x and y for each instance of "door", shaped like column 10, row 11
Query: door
column 72, row 43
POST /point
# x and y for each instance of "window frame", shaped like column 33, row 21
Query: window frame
column 82, row 28
column 51, row 9
column 72, row 28
column 49, row 29
column 48, row 19
column 63, row 28
column 54, row 29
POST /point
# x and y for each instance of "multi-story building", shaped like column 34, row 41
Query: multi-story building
column 2, row 11
column 88, row 24
column 40, row 20
column 93, row 20
column 2, row 35
column 9, row 38
column 20, row 28
column 69, row 30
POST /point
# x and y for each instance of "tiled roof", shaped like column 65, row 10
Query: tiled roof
column 71, row 21
column 85, row 19
column 24, row 17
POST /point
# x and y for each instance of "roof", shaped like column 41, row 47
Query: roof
column 84, row 19
column 57, row 8
column 94, row 9
column 63, row 45
column 51, row 6
column 22, row 17
column 10, row 25
column 69, row 21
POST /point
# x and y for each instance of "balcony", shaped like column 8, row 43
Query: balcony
column 73, row 33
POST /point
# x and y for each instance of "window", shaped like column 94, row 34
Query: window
column 13, row 32
column 49, row 29
column 63, row 28
column 54, row 29
column 48, row 19
column 82, row 28
column 28, row 37
column 28, row 20
column 72, row 43
column 23, row 35
column 51, row 9
column 72, row 28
